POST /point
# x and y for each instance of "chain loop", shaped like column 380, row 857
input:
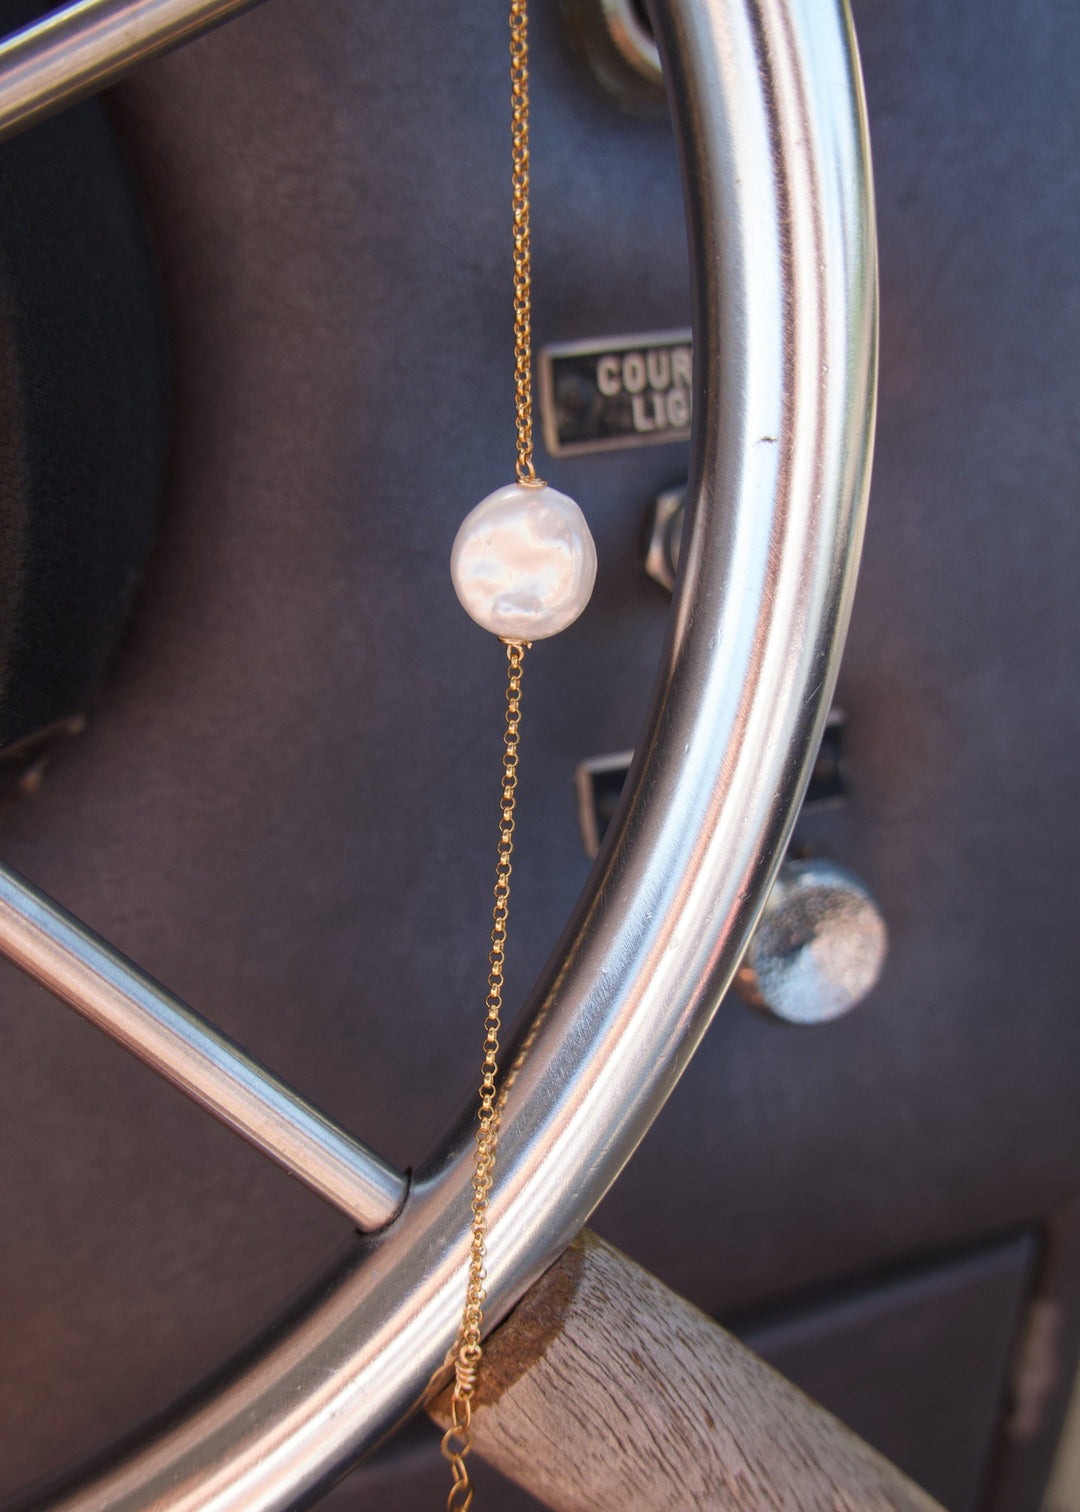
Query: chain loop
column 457, row 1440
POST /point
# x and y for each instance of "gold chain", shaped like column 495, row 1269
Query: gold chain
column 519, row 133
column 457, row 1441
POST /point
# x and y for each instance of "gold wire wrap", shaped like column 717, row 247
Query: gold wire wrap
column 457, row 1440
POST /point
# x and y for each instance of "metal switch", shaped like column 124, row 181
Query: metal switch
column 665, row 537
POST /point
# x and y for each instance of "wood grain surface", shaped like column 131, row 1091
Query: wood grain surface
column 604, row 1391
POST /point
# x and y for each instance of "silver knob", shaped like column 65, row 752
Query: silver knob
column 819, row 946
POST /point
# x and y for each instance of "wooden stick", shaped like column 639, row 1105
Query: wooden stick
column 605, row 1392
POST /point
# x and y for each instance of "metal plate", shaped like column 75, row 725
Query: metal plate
column 604, row 394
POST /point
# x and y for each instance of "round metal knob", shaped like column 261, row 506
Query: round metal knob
column 819, row 945
column 616, row 39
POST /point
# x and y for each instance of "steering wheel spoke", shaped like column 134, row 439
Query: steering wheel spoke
column 69, row 960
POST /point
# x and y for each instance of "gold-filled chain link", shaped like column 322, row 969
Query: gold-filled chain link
column 519, row 128
column 457, row 1441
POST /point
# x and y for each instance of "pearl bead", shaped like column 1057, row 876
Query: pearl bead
column 523, row 562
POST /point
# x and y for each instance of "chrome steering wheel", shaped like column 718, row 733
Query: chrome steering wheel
column 767, row 103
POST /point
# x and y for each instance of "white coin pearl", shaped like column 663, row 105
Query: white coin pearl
column 523, row 562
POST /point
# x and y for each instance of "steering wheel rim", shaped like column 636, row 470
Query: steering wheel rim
column 767, row 102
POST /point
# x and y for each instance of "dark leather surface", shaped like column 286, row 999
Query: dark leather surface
column 284, row 803
column 82, row 411
column 916, row 1362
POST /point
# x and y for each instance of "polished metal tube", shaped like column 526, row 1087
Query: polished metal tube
column 767, row 104
column 81, row 48
column 100, row 984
